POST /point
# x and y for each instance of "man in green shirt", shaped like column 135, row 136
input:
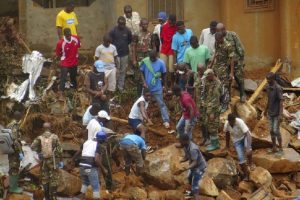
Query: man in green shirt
column 196, row 54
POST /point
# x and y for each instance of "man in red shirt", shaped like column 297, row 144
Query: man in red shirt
column 166, row 52
column 67, row 50
column 189, row 114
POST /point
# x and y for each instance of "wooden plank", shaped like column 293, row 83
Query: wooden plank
column 264, row 83
column 291, row 89
column 124, row 121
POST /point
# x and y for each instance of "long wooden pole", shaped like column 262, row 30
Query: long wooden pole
column 263, row 84
column 124, row 121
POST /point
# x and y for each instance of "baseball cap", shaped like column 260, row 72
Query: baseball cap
column 103, row 114
column 207, row 72
column 99, row 65
column 100, row 135
column 162, row 15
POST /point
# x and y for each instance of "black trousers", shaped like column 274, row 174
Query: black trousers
column 63, row 77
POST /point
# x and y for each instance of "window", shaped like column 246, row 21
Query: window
column 169, row 6
column 259, row 5
column 61, row 3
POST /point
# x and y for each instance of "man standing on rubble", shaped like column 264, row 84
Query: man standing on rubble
column 90, row 113
column 196, row 167
column 236, row 130
column 153, row 76
column 15, row 158
column 67, row 50
column 239, row 51
column 212, row 105
column 66, row 19
column 96, row 84
column 97, row 124
column 223, row 66
column 49, row 150
column 274, row 111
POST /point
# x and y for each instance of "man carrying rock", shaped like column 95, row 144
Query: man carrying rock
column 189, row 114
column 196, row 167
column 134, row 151
column 212, row 105
column 236, row 130
column 15, row 158
column 239, row 51
column 274, row 111
column 49, row 150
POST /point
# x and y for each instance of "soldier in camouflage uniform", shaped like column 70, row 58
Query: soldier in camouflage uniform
column 141, row 46
column 212, row 105
column 199, row 86
column 239, row 51
column 223, row 66
column 50, row 164
column 16, row 157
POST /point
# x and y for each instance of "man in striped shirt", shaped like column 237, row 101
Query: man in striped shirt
column 67, row 50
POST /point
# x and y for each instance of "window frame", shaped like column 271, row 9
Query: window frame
column 252, row 8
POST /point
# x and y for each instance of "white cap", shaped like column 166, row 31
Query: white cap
column 103, row 114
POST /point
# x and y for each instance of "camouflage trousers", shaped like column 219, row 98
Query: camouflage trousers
column 213, row 125
column 14, row 164
column 223, row 74
column 239, row 76
column 49, row 175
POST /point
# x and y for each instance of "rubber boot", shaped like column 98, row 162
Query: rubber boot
column 214, row 144
column 46, row 191
column 13, row 184
column 245, row 170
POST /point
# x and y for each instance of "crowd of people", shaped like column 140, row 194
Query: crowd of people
column 169, row 60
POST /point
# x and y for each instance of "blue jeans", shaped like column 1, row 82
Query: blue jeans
column 182, row 126
column 158, row 96
column 194, row 178
column 274, row 126
column 90, row 177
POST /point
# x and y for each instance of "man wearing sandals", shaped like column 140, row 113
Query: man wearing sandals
column 236, row 130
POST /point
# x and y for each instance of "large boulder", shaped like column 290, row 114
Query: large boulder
column 289, row 162
column 223, row 196
column 208, row 187
column 261, row 137
column 155, row 195
column 261, row 177
column 161, row 165
column 223, row 171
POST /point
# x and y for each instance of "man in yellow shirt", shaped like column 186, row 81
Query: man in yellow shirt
column 67, row 19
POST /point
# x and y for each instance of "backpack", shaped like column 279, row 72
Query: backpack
column 6, row 141
column 46, row 146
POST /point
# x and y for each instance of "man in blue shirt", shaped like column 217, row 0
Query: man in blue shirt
column 181, row 41
column 134, row 150
column 153, row 76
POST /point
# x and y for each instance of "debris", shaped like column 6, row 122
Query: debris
column 288, row 162
column 250, row 85
column 261, row 194
column 246, row 186
column 261, row 177
column 173, row 195
column 208, row 187
column 136, row 193
column 223, row 196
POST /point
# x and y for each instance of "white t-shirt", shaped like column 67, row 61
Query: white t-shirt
column 87, row 117
column 135, row 112
column 208, row 39
column 237, row 132
column 107, row 55
column 93, row 127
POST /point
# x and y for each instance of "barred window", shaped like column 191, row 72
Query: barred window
column 61, row 3
column 169, row 6
column 259, row 5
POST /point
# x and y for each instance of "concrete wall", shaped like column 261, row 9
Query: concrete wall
column 38, row 24
column 266, row 35
column 9, row 8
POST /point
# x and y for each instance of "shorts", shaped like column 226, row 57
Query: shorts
column 194, row 178
column 168, row 60
column 135, row 123
column 242, row 146
column 111, row 75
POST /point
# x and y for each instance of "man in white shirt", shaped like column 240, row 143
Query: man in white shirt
column 132, row 20
column 97, row 124
column 236, row 129
column 90, row 113
column 162, row 18
column 207, row 37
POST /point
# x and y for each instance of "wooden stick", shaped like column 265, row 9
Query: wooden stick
column 263, row 84
column 25, row 45
column 124, row 121
column 291, row 89
column 24, row 120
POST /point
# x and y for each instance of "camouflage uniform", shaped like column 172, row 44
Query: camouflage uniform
column 239, row 51
column 49, row 166
column 212, row 105
column 143, row 47
column 14, row 159
column 224, row 53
